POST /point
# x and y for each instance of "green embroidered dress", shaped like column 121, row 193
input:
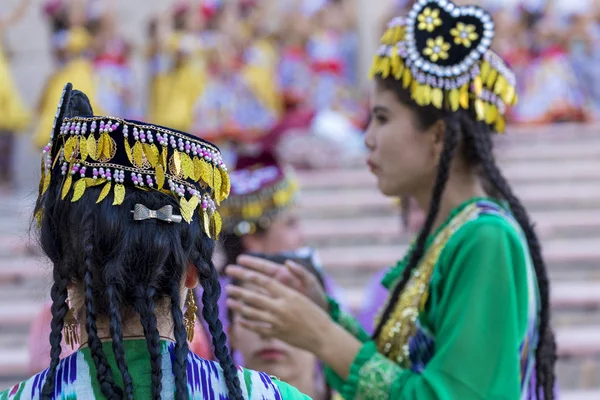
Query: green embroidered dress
column 475, row 334
column 76, row 378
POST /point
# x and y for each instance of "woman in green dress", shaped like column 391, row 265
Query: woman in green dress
column 127, row 214
column 468, row 312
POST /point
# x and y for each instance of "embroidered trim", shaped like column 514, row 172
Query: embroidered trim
column 375, row 378
column 393, row 342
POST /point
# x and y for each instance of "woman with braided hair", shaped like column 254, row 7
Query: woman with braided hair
column 468, row 314
column 127, row 214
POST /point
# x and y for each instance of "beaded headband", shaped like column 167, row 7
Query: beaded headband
column 120, row 155
column 441, row 53
column 258, row 194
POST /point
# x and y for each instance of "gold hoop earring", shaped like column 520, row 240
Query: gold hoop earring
column 189, row 317
column 71, row 327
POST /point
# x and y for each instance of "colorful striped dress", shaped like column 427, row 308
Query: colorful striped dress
column 76, row 377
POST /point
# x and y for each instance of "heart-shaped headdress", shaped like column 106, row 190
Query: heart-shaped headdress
column 441, row 53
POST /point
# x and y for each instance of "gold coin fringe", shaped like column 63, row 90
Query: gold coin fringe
column 164, row 166
column 489, row 79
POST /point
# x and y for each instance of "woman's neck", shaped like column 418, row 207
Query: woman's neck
column 132, row 327
column 459, row 188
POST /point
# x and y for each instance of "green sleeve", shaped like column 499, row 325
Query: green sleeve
column 289, row 392
column 479, row 315
column 347, row 321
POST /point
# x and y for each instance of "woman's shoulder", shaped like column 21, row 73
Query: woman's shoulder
column 254, row 384
column 32, row 387
column 491, row 221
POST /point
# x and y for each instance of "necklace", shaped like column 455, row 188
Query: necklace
column 108, row 339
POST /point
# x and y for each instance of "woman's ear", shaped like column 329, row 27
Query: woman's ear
column 438, row 134
column 191, row 277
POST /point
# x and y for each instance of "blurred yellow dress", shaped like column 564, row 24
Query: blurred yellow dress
column 14, row 116
column 79, row 71
column 178, row 79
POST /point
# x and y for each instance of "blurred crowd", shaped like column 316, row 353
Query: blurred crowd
column 238, row 73
column 281, row 74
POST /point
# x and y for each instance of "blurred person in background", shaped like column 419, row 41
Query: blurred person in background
column 468, row 315
column 260, row 215
column 550, row 91
column 293, row 365
column 111, row 55
column 71, row 46
column 14, row 115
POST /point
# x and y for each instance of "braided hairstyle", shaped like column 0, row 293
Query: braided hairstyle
column 99, row 249
column 473, row 140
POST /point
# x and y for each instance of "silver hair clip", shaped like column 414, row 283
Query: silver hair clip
column 141, row 212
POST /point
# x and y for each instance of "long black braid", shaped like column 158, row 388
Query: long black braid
column 116, row 334
column 181, row 346
column 210, row 312
column 477, row 149
column 450, row 143
column 104, row 372
column 145, row 306
column 59, row 310
column 482, row 146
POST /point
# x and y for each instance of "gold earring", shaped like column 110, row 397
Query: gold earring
column 189, row 318
column 71, row 328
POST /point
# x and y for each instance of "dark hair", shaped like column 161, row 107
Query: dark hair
column 137, row 264
column 474, row 140
column 233, row 247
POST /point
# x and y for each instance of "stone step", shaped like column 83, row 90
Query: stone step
column 581, row 395
column 363, row 201
column 557, row 252
column 580, row 253
column 549, row 224
column 517, row 172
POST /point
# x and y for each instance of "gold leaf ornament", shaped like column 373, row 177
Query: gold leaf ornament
column 128, row 150
column 78, row 190
column 217, row 224
column 70, row 148
column 187, row 166
column 151, row 152
column 91, row 147
column 66, row 185
column 217, row 184
column 454, row 99
column 206, row 222
column 119, row 194
column 175, row 166
column 437, row 98
column 160, row 176
column 138, row 155
column 225, row 184
column 83, row 148
column 46, row 181
column 105, row 191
